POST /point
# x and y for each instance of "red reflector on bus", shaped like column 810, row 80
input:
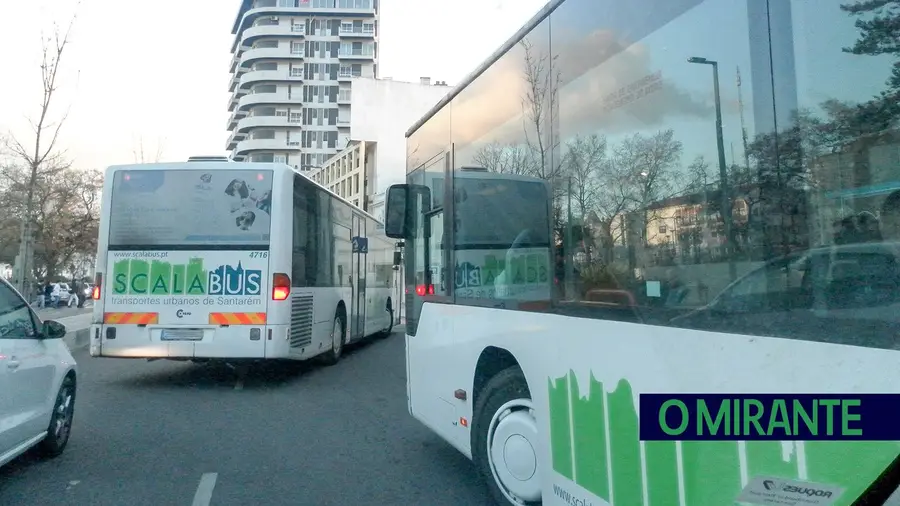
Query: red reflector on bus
column 281, row 286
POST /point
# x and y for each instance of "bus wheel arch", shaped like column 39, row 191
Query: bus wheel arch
column 389, row 308
column 505, row 434
column 491, row 362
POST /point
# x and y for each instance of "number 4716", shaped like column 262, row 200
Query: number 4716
column 259, row 254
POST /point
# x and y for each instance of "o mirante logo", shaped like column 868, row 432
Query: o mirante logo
column 697, row 417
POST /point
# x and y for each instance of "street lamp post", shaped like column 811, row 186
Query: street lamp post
column 569, row 246
column 723, row 173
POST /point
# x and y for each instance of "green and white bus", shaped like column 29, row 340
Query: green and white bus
column 708, row 191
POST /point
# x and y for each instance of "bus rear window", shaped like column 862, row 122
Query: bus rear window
column 187, row 207
column 500, row 213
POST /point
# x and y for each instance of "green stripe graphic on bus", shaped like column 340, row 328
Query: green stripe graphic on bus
column 597, row 447
column 154, row 277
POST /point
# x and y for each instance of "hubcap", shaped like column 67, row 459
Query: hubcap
column 63, row 416
column 512, row 451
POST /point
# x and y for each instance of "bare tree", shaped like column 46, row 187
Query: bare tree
column 699, row 174
column 585, row 164
column 40, row 157
column 615, row 197
column 539, row 103
column 142, row 154
column 646, row 165
column 584, row 160
column 67, row 217
column 508, row 159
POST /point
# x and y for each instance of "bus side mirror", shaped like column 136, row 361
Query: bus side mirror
column 396, row 219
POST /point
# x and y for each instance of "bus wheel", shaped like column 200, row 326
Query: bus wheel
column 505, row 439
column 337, row 339
column 390, row 311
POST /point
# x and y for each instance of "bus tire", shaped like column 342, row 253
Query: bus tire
column 390, row 311
column 504, row 428
column 339, row 327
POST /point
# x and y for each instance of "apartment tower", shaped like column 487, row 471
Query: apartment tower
column 291, row 71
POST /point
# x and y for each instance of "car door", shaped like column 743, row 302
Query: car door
column 7, row 413
column 29, row 369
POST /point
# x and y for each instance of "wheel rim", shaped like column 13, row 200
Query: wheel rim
column 512, row 443
column 337, row 341
column 62, row 415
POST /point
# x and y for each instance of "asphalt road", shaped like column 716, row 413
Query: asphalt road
column 165, row 433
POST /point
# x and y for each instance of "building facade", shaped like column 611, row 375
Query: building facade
column 376, row 154
column 384, row 110
column 347, row 173
column 291, row 72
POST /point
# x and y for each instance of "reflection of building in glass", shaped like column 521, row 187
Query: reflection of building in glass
column 853, row 178
column 688, row 228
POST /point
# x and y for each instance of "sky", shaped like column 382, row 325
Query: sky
column 155, row 74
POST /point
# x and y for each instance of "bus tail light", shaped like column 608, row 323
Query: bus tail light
column 281, row 286
column 421, row 290
column 98, row 281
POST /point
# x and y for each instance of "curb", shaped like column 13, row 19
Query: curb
column 78, row 339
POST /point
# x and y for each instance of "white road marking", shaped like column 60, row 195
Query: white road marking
column 240, row 384
column 205, row 489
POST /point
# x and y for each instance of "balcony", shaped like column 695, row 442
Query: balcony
column 234, row 139
column 282, row 30
column 247, row 146
column 347, row 76
column 268, row 53
column 355, row 8
column 367, row 31
column 257, row 76
column 251, row 122
column 344, row 96
column 364, row 54
column 343, row 122
column 236, row 116
column 248, row 101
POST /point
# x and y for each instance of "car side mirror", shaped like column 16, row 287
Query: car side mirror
column 396, row 218
column 53, row 330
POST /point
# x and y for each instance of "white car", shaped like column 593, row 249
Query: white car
column 37, row 380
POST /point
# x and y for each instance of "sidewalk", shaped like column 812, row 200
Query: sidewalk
column 49, row 313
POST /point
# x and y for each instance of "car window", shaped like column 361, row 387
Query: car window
column 16, row 319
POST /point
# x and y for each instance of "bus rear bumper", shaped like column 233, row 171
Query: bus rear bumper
column 173, row 342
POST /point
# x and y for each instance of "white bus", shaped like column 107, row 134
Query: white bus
column 781, row 277
column 205, row 260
